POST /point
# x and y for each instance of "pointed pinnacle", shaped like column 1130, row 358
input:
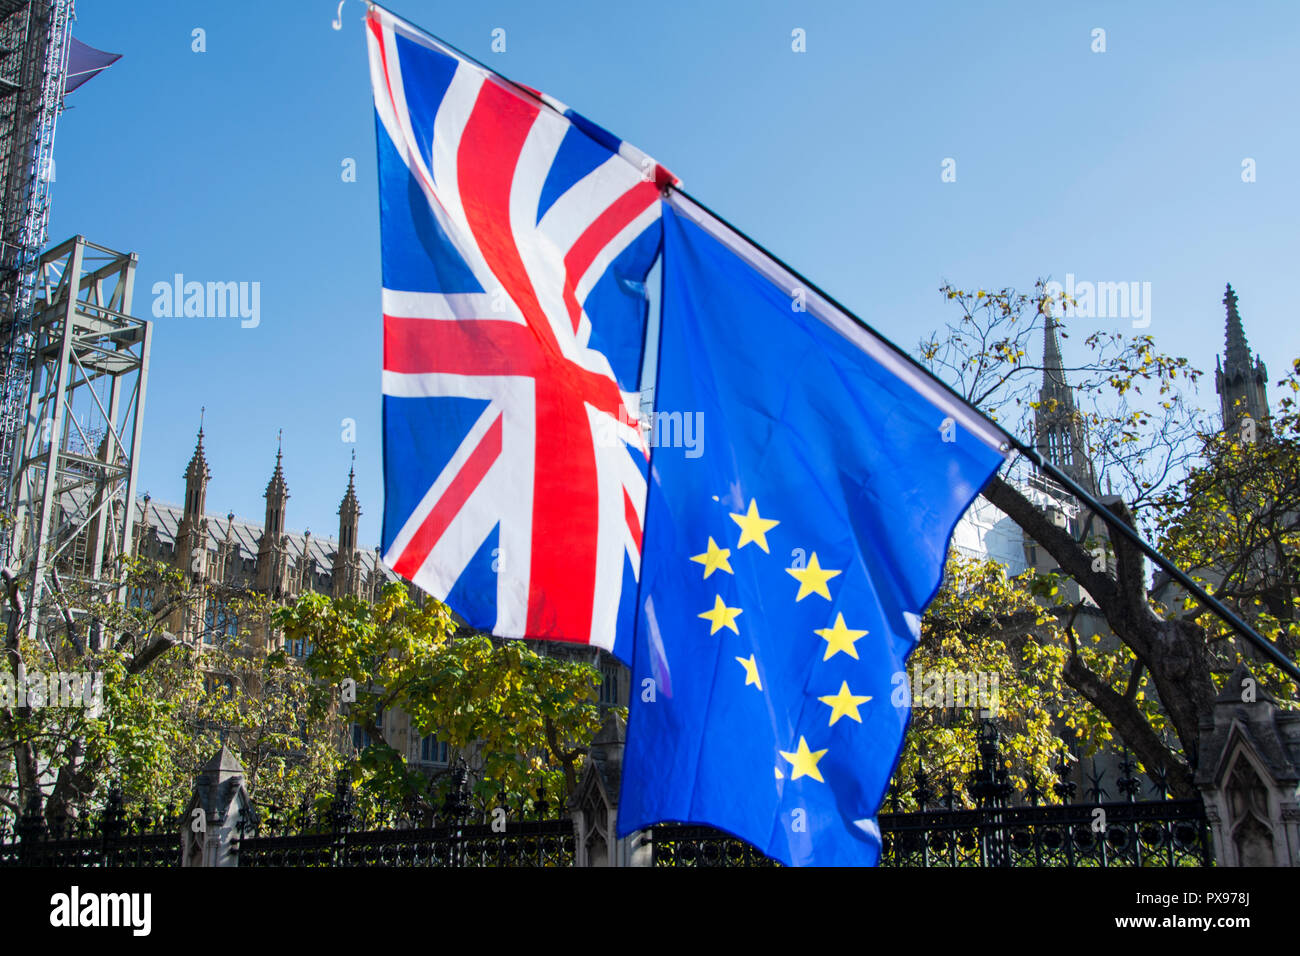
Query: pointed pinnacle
column 277, row 484
column 350, row 496
column 1053, row 366
column 198, row 466
column 1237, row 353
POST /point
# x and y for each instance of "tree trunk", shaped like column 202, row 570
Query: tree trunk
column 1173, row 652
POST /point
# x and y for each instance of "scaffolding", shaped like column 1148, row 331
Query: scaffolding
column 75, row 473
column 34, row 36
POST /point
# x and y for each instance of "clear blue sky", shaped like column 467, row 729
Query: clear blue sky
column 1116, row 166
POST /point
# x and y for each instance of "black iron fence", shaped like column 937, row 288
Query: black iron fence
column 994, row 832
column 527, row 843
column 681, row 844
column 533, row 834
column 971, row 822
column 527, row 834
column 113, row 836
column 1151, row 833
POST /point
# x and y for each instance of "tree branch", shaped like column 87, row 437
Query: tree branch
column 1132, row 726
column 1073, row 558
column 158, row 646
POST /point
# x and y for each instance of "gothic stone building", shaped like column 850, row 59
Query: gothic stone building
column 240, row 556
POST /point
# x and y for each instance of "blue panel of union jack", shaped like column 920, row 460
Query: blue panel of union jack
column 516, row 241
column 786, row 569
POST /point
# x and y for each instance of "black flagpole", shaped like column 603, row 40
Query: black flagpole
column 1012, row 442
column 1211, row 602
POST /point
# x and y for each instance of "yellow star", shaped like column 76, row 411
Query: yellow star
column 714, row 558
column 751, row 671
column 812, row 579
column 803, row 762
column 753, row 527
column 722, row 616
column 839, row 638
column 844, row 704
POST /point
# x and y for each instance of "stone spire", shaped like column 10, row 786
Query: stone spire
column 198, row 466
column 1053, row 366
column 349, row 508
column 277, row 491
column 347, row 561
column 1058, row 426
column 192, row 530
column 196, row 478
column 1242, row 383
column 272, row 553
column 1237, row 351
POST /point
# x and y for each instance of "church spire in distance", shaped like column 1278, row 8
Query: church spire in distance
column 347, row 560
column 1058, row 426
column 1053, row 366
column 1237, row 351
column 272, row 554
column 349, row 503
column 198, row 466
column 1242, row 382
column 196, row 478
column 277, row 494
column 276, row 487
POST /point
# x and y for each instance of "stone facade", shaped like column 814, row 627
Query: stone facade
column 242, row 557
column 263, row 558
column 1249, row 776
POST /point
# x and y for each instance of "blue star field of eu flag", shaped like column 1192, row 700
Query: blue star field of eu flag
column 786, row 568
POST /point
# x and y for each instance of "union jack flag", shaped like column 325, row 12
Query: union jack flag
column 516, row 240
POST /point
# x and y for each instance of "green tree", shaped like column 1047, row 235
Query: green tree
column 1234, row 526
column 164, row 706
column 1000, row 646
column 1171, row 478
column 520, row 719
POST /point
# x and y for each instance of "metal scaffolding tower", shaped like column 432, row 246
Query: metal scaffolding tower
column 34, row 37
column 75, row 475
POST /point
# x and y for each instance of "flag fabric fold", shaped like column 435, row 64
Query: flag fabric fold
column 786, row 569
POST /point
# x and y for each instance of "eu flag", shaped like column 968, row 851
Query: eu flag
column 789, row 554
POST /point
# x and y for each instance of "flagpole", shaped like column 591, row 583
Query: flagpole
column 1012, row 442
